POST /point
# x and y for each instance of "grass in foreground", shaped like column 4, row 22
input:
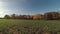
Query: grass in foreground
column 11, row 26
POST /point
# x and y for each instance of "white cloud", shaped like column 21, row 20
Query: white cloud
column 8, row 7
column 3, row 12
column 2, row 3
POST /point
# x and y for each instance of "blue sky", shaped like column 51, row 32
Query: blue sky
column 29, row 7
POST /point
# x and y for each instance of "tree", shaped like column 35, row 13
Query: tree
column 51, row 15
column 55, row 15
column 7, row 16
column 59, row 15
column 13, row 16
column 47, row 16
column 37, row 17
column 29, row 17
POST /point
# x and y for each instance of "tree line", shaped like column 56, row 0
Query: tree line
column 46, row 16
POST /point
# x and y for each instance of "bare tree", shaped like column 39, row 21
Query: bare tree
column 13, row 16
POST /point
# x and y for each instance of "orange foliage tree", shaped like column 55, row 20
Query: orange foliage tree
column 37, row 17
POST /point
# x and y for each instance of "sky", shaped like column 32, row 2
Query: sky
column 28, row 7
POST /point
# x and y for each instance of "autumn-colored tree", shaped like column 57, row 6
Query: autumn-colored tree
column 7, row 16
column 29, row 17
column 55, row 15
column 47, row 16
column 37, row 17
column 51, row 15
column 59, row 15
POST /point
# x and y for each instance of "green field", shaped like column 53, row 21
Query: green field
column 29, row 25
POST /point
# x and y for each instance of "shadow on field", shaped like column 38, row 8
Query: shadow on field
column 14, row 30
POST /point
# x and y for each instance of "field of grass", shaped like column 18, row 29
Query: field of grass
column 10, row 26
